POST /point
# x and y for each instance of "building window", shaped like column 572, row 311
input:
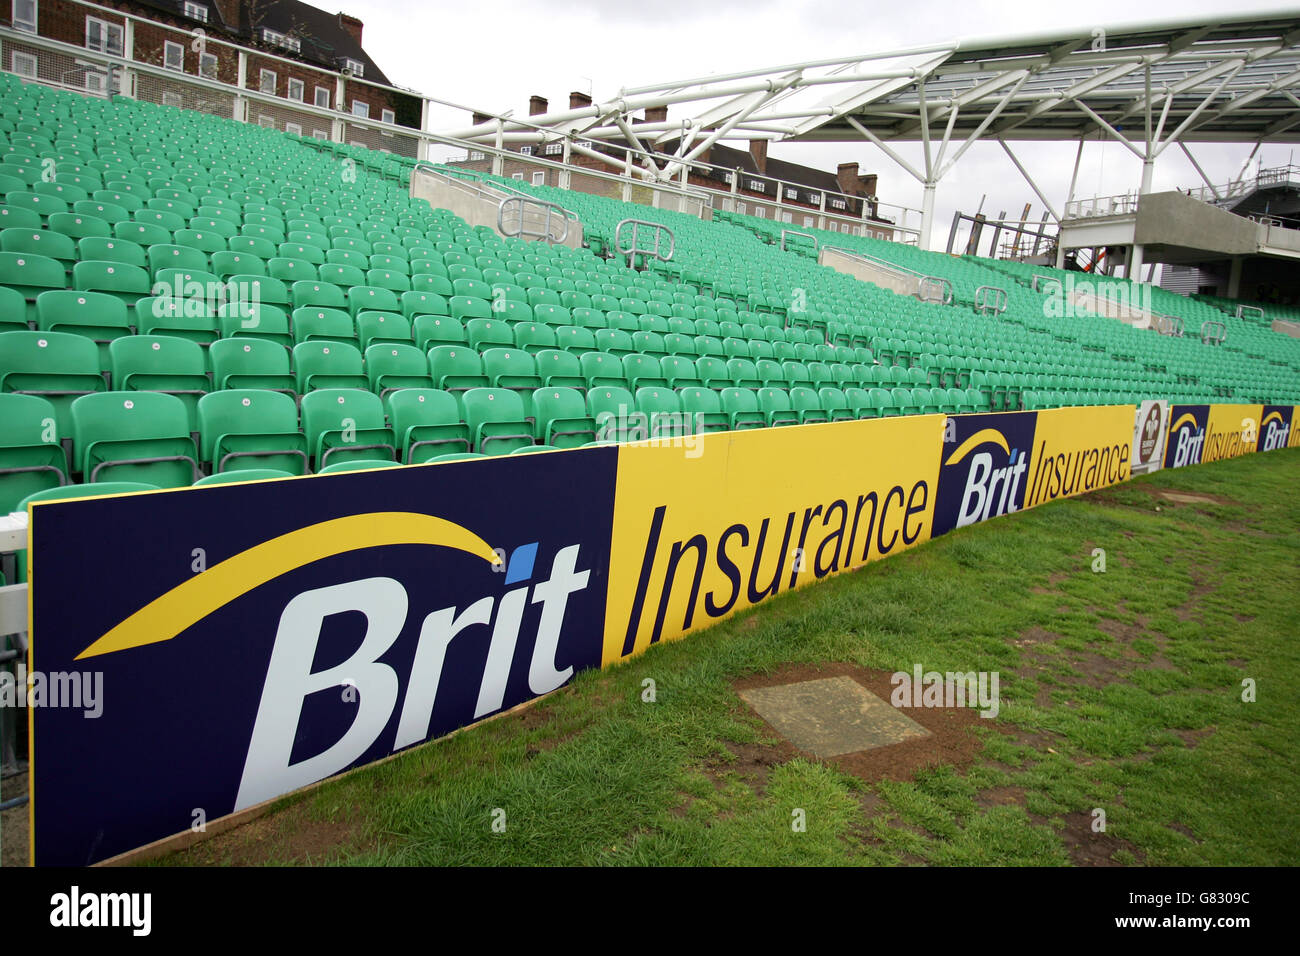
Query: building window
column 833, row 226
column 294, row 128
column 791, row 192
column 208, row 65
column 24, row 64
column 266, row 121
column 758, row 187
column 807, row 222
column 172, row 99
column 361, row 109
column 787, row 218
column 388, row 116
column 740, row 208
column 518, row 176
column 275, row 38
column 296, row 89
column 475, row 156
column 729, row 178
column 196, row 11
column 319, row 134
column 554, row 149
column 24, row 16
column 323, row 97
column 585, row 143
column 355, row 67
column 526, row 150
column 103, row 36
column 539, row 179
column 760, row 212
column 267, row 82
column 839, row 204
column 173, row 56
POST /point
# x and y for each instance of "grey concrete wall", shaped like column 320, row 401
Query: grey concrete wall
column 1174, row 219
column 867, row 272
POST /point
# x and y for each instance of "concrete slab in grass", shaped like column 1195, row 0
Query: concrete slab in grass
column 831, row 716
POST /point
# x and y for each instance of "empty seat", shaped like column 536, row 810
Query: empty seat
column 328, row 365
column 497, row 421
column 426, row 423
column 160, row 363
column 345, row 424
column 134, row 436
column 58, row 366
column 31, row 457
column 251, row 428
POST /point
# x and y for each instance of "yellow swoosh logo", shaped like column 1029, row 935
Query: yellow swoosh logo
column 1270, row 417
column 979, row 438
column 186, row 604
column 1187, row 418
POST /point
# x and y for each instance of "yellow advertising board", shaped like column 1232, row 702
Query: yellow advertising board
column 1077, row 450
column 731, row 519
column 1232, row 430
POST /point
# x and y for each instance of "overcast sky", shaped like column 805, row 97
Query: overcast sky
column 550, row 47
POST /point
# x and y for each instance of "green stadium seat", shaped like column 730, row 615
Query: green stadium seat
column 426, row 423
column 251, row 429
column 345, row 424
column 31, row 457
column 133, row 436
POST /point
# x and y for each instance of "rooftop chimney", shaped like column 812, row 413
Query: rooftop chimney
column 579, row 101
column 480, row 118
column 758, row 149
column 352, row 25
column 846, row 174
column 229, row 10
column 537, row 105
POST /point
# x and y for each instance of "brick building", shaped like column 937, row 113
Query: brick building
column 847, row 193
column 310, row 48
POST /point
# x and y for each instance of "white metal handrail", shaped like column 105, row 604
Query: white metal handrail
column 657, row 229
column 518, row 225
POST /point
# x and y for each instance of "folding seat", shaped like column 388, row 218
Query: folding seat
column 741, row 407
column 796, row 373
column 431, row 282
column 134, row 436
column 573, row 338
column 497, row 420
column 380, row 327
column 245, row 474
column 170, row 256
column 643, row 371
column 251, row 363
column 614, row 411
column 901, row 402
column 319, row 294
column 12, row 217
column 160, row 363
column 345, row 424
column 807, row 404
column 251, row 246
column 704, row 408
column 431, row 330
column 487, row 333
column 31, row 457
column 43, row 206
column 561, row 418
column 835, row 404
column 465, row 308
column 306, row 251
column 456, row 368
column 124, row 282
column 31, row 276
column 331, row 365
column 312, row 324
column 623, row 321
column 391, row 366
column 776, row 406
column 246, row 429
column 426, row 423
column 38, row 243
column 770, row 373
column 614, row 341
column 99, row 317
column 423, row 303
column 712, row 372
column 679, row 372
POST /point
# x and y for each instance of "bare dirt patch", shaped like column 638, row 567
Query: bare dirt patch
column 293, row 835
column 1088, row 848
column 951, row 740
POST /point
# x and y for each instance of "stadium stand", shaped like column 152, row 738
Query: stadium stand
column 232, row 301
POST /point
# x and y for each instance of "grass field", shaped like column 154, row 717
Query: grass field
column 1120, row 691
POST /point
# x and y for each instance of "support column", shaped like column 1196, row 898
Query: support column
column 1234, row 278
column 927, row 214
column 498, row 164
column 1133, row 267
column 566, row 177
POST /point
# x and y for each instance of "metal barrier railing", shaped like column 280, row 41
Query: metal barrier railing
column 657, row 229
column 1213, row 333
column 990, row 298
column 1171, row 325
column 1249, row 311
column 1047, row 280
column 519, row 226
column 934, row 289
column 802, row 235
